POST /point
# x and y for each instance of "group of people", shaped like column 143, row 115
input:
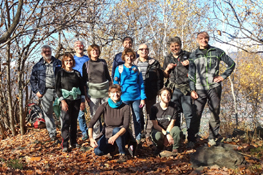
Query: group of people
column 135, row 82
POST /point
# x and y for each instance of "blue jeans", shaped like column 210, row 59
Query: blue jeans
column 82, row 122
column 105, row 148
column 136, row 117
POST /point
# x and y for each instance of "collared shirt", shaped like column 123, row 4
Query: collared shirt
column 50, row 75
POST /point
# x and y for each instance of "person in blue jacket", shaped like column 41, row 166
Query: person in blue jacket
column 42, row 82
column 80, row 59
column 130, row 79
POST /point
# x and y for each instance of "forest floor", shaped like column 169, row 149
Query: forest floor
column 35, row 153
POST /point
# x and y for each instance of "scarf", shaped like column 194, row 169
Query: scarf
column 114, row 105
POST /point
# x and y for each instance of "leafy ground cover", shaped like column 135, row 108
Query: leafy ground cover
column 35, row 153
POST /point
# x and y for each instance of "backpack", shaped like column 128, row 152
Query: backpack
column 120, row 69
column 35, row 116
column 154, row 80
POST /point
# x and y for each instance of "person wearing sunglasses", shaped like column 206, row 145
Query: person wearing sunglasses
column 153, row 82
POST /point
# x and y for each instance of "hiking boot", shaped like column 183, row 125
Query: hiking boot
column 139, row 144
column 190, row 145
column 109, row 156
column 175, row 151
column 75, row 145
column 84, row 137
column 122, row 158
column 65, row 149
column 142, row 134
column 211, row 142
column 53, row 138
column 149, row 141
column 113, row 153
column 132, row 149
column 157, row 152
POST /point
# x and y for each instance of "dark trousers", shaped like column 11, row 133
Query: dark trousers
column 184, row 104
column 214, row 97
column 104, row 147
column 147, row 123
column 69, row 123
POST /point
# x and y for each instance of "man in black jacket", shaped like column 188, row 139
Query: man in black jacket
column 176, row 66
column 153, row 82
column 126, row 43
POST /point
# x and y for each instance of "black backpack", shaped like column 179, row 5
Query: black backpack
column 154, row 84
column 35, row 116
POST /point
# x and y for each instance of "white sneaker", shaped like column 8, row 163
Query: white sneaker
column 211, row 142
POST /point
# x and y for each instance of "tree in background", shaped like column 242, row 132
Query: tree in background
column 242, row 24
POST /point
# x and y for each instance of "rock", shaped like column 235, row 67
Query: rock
column 195, row 172
column 84, row 149
column 223, row 156
column 166, row 153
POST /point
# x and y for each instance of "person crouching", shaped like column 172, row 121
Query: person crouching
column 163, row 116
column 116, row 122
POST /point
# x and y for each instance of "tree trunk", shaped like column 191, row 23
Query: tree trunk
column 2, row 130
column 234, row 99
column 21, row 111
column 9, row 92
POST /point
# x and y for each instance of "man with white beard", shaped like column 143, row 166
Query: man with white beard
column 42, row 81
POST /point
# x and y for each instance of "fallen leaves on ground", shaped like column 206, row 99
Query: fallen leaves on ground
column 35, row 153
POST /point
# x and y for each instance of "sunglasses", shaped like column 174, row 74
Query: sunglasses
column 141, row 49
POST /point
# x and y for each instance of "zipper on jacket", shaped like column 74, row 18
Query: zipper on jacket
column 207, row 84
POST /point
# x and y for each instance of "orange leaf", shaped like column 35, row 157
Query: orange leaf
column 32, row 159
